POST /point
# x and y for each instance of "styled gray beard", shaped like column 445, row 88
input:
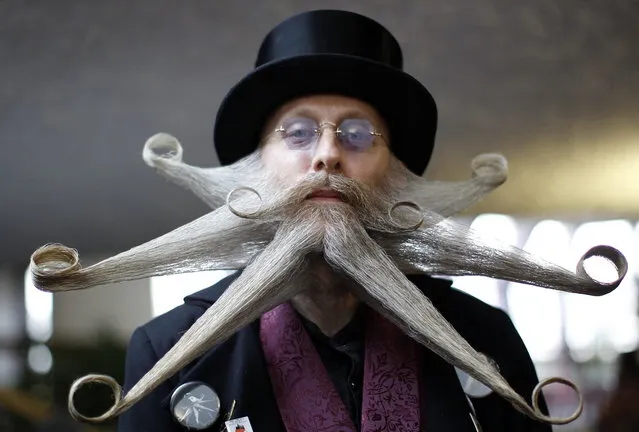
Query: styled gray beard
column 374, row 237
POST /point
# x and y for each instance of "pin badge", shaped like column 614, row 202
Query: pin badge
column 241, row 424
column 195, row 405
column 471, row 386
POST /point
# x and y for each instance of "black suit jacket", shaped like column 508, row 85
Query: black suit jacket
column 237, row 371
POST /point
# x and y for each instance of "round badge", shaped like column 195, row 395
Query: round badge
column 195, row 405
column 471, row 386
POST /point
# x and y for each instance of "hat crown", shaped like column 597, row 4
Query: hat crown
column 329, row 52
column 331, row 32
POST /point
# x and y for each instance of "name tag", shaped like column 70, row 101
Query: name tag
column 241, row 424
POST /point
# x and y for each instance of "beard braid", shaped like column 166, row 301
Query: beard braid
column 265, row 283
column 448, row 248
column 235, row 241
column 344, row 232
column 348, row 248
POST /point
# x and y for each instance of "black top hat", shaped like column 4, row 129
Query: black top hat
column 329, row 52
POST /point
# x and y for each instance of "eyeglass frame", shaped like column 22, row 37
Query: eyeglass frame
column 318, row 130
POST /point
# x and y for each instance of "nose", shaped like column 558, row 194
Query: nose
column 328, row 153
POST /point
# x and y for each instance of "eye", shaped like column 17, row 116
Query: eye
column 357, row 133
column 298, row 132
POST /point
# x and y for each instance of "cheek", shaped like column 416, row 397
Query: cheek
column 369, row 168
column 286, row 164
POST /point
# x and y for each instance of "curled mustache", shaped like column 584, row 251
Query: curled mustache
column 374, row 208
column 164, row 153
column 369, row 237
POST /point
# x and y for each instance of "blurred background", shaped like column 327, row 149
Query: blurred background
column 554, row 86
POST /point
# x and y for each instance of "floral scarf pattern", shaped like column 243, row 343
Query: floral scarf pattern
column 308, row 400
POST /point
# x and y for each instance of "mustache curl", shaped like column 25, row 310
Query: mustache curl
column 376, row 210
column 369, row 236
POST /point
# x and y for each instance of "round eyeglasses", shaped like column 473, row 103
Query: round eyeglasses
column 354, row 134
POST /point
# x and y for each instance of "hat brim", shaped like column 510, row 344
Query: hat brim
column 405, row 104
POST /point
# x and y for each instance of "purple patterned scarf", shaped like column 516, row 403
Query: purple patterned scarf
column 308, row 400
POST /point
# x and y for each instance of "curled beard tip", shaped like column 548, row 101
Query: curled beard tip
column 51, row 262
column 611, row 254
column 378, row 278
column 162, row 147
column 561, row 420
column 490, row 168
column 96, row 379
column 240, row 213
column 410, row 227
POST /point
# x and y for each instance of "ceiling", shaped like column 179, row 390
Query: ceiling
column 552, row 85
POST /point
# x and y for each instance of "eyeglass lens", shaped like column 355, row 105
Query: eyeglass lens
column 302, row 132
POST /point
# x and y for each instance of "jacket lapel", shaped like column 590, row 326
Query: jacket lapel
column 444, row 406
column 236, row 370
column 443, row 402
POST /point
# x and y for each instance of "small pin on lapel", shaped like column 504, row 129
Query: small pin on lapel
column 241, row 424
column 195, row 405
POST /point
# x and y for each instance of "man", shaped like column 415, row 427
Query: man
column 322, row 329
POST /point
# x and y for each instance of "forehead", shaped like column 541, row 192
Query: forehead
column 327, row 108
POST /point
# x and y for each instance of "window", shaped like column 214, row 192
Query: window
column 168, row 292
